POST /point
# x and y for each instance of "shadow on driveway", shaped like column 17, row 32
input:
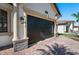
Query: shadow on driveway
column 57, row 50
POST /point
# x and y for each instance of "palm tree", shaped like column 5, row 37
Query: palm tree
column 76, row 15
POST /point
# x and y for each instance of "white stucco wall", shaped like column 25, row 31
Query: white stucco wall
column 5, row 40
column 75, row 29
column 71, row 26
column 21, row 26
column 41, row 7
column 61, row 28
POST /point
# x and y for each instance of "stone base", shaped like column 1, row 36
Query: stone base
column 20, row 45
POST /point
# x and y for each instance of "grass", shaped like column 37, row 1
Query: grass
column 72, row 36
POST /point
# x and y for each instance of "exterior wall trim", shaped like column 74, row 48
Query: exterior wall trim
column 8, row 20
column 6, row 34
column 55, row 9
column 37, row 14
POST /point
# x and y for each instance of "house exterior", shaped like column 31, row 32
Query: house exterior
column 76, row 28
column 17, row 20
column 65, row 26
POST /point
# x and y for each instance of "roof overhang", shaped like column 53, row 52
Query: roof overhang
column 55, row 9
column 76, row 26
column 65, row 21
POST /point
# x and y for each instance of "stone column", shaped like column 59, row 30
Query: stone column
column 25, row 26
column 15, row 23
column 22, row 22
column 56, row 26
column 52, row 28
column 15, row 26
column 55, row 29
column 23, row 14
column 19, row 16
column 73, row 26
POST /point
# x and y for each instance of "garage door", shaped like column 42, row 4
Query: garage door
column 39, row 29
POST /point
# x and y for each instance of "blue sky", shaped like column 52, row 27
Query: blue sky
column 67, row 9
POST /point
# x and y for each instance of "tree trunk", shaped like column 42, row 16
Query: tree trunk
column 78, row 26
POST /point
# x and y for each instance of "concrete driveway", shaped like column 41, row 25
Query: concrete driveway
column 52, row 46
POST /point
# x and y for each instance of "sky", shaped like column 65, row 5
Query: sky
column 67, row 9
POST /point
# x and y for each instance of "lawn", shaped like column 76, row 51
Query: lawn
column 71, row 35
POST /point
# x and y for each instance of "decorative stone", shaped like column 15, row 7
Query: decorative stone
column 20, row 45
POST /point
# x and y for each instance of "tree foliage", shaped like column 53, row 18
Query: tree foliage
column 76, row 15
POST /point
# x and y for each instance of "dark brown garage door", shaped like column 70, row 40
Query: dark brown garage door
column 39, row 29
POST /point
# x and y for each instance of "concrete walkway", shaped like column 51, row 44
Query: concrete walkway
column 52, row 46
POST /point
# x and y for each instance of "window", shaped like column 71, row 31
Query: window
column 3, row 21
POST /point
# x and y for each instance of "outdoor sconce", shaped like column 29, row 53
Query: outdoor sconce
column 22, row 19
column 46, row 12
